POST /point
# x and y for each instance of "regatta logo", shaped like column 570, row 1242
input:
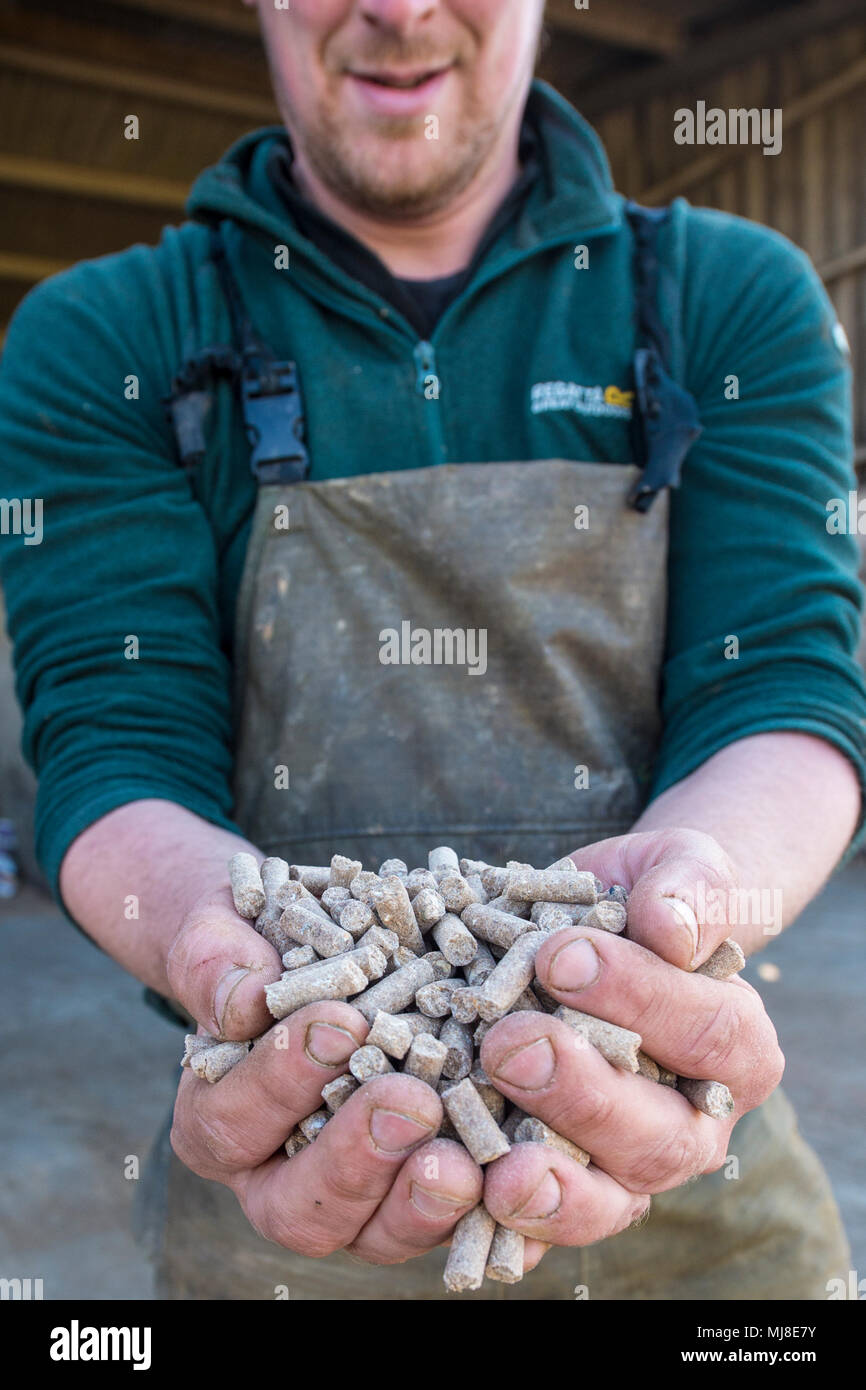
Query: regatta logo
column 583, row 400
column 443, row 646
column 77, row 1343
column 738, row 126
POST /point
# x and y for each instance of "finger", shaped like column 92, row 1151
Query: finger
column 249, row 1114
column 648, row 1137
column 534, row 1252
column 696, row 1027
column 218, row 967
column 318, row 1201
column 437, row 1185
column 683, row 891
column 551, row 1198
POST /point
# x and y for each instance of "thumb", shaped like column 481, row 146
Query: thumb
column 217, row 968
column 679, row 908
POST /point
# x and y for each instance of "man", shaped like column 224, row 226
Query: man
column 668, row 689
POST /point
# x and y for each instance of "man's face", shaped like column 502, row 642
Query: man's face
column 357, row 80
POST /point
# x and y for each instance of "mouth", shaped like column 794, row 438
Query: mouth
column 395, row 93
column 401, row 82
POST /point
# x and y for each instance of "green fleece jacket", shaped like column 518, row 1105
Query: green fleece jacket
column 128, row 550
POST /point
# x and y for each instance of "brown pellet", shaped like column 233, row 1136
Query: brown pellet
column 464, row 1005
column 379, row 936
column 455, row 940
column 493, row 1098
column 393, row 866
column 455, row 892
column 442, row 857
column 294, row 894
column 213, row 1063
column 367, row 1062
column 299, row 956
column 391, row 1033
column 710, row 1097
column 647, row 1067
column 194, row 1043
column 478, row 893
column 248, row 891
column 552, row 918
column 391, row 903
column 666, row 1078
column 372, row 961
column 474, row 1123
column 335, row 899
column 619, row 1046
column 551, row 885
column 325, row 937
column 313, row 1125
column 512, row 1121
column 470, row 1248
column 494, row 880
column 499, row 928
column 533, row 1131
column 428, row 908
column 574, row 912
column 606, row 916
column 457, row 1038
column 338, row 1091
column 295, row 1142
column 468, row 867
column 726, row 960
column 513, row 906
column 315, row 877
column 362, row 886
column 481, row 965
column 401, row 955
column 418, row 880
column 274, row 873
column 343, row 871
column 510, row 978
column 425, row 1059
column 329, row 979
column 356, row 918
column 435, row 999
column 526, row 1001
column 396, row 992
column 505, row 1260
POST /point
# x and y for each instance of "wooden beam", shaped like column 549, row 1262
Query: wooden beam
column 234, row 20
column 106, row 184
column 28, row 269
column 840, row 266
column 624, row 23
column 723, row 48
column 168, row 90
column 796, row 111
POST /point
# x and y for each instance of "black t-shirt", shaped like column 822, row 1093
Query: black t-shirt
column 422, row 302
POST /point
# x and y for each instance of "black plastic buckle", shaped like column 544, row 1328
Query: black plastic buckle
column 668, row 425
column 274, row 422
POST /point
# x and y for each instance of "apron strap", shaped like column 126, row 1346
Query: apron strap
column 268, row 390
column 665, row 423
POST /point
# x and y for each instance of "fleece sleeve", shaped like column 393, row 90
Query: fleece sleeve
column 765, row 604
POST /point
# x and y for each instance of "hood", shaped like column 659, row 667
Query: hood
column 575, row 193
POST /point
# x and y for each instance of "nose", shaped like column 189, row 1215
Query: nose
column 400, row 16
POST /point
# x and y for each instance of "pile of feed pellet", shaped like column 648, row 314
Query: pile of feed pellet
column 432, row 958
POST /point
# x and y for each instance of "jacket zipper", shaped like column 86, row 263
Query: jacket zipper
column 427, row 380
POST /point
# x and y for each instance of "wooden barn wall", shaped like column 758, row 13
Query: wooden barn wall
column 814, row 190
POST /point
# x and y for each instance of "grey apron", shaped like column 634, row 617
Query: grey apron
column 391, row 759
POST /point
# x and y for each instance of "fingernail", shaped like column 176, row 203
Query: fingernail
column 686, row 917
column 438, row 1206
column 575, row 966
column 529, row 1067
column 329, row 1045
column 224, row 991
column 544, row 1202
column 640, row 1217
column 392, row 1131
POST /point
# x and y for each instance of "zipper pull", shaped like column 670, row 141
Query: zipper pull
column 425, row 366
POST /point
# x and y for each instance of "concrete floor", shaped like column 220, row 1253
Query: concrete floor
column 89, row 1074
